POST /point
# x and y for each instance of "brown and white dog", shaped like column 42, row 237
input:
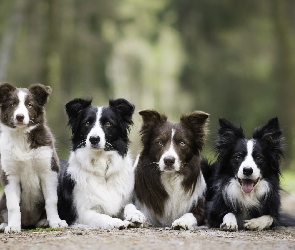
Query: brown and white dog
column 29, row 161
column 169, row 184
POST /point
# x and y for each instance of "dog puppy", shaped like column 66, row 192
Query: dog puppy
column 29, row 161
column 97, row 182
column 169, row 184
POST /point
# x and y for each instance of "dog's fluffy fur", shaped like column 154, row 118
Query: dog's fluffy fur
column 29, row 160
column 243, row 184
column 169, row 184
column 97, row 182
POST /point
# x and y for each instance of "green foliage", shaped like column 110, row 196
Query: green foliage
column 287, row 180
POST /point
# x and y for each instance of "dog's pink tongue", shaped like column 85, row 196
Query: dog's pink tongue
column 247, row 186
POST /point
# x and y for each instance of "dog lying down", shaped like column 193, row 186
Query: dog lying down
column 96, row 184
column 169, row 183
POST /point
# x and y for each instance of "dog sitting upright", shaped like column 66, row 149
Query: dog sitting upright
column 169, row 184
column 97, row 183
column 29, row 160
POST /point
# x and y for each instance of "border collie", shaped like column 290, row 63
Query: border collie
column 29, row 161
column 169, row 184
column 98, row 182
column 243, row 189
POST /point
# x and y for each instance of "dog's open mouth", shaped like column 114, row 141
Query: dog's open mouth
column 248, row 184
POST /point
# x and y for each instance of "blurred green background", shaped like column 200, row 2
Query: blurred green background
column 230, row 58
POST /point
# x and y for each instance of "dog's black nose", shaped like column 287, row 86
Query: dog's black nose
column 94, row 140
column 20, row 118
column 247, row 171
column 169, row 161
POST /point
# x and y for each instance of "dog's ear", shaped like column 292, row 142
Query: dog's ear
column 74, row 107
column 270, row 133
column 5, row 88
column 227, row 134
column 125, row 108
column 272, row 136
column 150, row 119
column 40, row 92
column 197, row 122
column 228, row 130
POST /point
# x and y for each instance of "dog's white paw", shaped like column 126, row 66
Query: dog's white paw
column 136, row 219
column 229, row 226
column 259, row 223
column 186, row 222
column 12, row 229
column 117, row 223
column 2, row 226
column 229, row 223
column 58, row 224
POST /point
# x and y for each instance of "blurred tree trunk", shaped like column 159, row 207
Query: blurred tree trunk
column 285, row 73
column 9, row 36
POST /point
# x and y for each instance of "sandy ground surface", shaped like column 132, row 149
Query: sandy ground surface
column 154, row 238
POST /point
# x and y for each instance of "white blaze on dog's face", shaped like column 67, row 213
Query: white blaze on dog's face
column 20, row 115
column 96, row 136
column 248, row 172
column 170, row 161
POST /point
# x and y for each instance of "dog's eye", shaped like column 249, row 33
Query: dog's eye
column 108, row 124
column 160, row 143
column 182, row 143
column 238, row 157
column 30, row 105
column 87, row 124
column 12, row 104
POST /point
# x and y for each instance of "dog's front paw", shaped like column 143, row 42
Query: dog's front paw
column 259, row 223
column 12, row 229
column 58, row 224
column 229, row 223
column 136, row 219
column 229, row 226
column 186, row 222
column 118, row 224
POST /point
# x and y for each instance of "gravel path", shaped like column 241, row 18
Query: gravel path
column 150, row 238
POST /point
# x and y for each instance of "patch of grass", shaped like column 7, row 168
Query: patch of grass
column 49, row 229
column 288, row 180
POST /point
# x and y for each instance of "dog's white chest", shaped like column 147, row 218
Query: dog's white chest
column 26, row 165
column 106, row 188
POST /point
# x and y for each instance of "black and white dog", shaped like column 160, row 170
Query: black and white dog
column 98, row 181
column 169, row 184
column 29, row 161
column 243, row 189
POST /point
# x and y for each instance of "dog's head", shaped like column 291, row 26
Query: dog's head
column 21, row 107
column 249, row 161
column 100, row 128
column 172, row 145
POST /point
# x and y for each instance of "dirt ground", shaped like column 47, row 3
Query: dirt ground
column 153, row 238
